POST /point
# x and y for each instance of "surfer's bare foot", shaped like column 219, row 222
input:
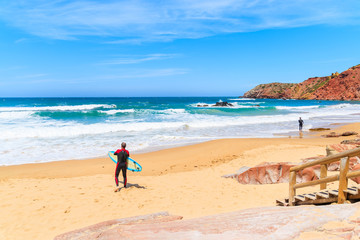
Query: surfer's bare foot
column 117, row 189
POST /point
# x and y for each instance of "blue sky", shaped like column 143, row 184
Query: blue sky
column 171, row 48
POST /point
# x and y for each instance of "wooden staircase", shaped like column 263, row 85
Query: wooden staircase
column 343, row 194
column 321, row 197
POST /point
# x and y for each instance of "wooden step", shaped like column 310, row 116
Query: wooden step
column 284, row 202
column 352, row 190
column 334, row 192
column 321, row 197
column 300, row 197
column 323, row 194
column 310, row 196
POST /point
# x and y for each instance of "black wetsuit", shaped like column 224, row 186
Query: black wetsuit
column 301, row 123
column 122, row 156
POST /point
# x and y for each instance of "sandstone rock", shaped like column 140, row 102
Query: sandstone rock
column 310, row 159
column 318, row 129
column 349, row 133
column 332, row 134
column 356, row 168
column 234, row 175
column 270, row 173
column 96, row 231
column 354, row 142
column 337, row 148
column 268, row 223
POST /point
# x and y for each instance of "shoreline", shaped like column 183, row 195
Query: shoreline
column 101, row 165
column 93, row 166
column 184, row 181
column 290, row 134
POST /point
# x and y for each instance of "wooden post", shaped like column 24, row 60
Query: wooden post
column 323, row 174
column 292, row 191
column 343, row 182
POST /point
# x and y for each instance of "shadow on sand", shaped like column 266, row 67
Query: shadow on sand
column 130, row 185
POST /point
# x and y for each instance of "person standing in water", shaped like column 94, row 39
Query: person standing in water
column 301, row 123
column 122, row 157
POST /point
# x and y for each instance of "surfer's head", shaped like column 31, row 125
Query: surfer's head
column 123, row 145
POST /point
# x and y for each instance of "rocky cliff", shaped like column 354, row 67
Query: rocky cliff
column 338, row 86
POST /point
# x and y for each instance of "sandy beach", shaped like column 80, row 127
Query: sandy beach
column 40, row 201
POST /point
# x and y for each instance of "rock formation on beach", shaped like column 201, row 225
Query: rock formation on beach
column 256, row 223
column 338, row 86
column 270, row 173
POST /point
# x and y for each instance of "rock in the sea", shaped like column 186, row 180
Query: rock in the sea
column 223, row 104
column 280, row 223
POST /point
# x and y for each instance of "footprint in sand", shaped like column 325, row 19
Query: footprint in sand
column 67, row 210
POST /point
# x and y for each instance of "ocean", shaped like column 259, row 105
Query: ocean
column 36, row 130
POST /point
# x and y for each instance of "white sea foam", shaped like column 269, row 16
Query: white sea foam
column 297, row 107
column 112, row 112
column 15, row 115
column 344, row 105
column 172, row 111
column 57, row 108
column 252, row 103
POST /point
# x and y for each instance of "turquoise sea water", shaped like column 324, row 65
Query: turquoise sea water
column 49, row 129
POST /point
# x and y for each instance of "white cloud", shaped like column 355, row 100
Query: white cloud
column 140, row 20
column 37, row 75
column 21, row 40
column 146, row 73
column 138, row 59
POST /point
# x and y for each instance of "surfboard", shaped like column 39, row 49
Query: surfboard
column 132, row 164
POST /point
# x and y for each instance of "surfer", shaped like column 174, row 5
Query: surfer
column 122, row 156
column 301, row 123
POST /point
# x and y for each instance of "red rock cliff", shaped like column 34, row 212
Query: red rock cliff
column 343, row 86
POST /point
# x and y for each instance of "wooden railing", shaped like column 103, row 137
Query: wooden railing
column 342, row 177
